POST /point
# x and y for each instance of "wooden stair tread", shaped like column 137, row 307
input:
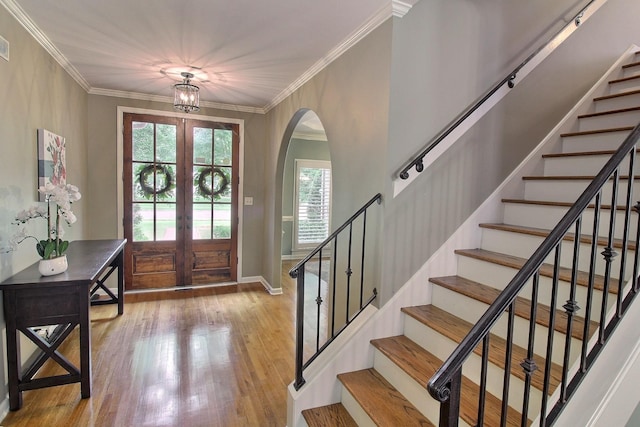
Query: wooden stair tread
column 633, row 64
column 487, row 295
column 552, row 203
column 571, row 178
column 421, row 365
column 546, row 270
column 456, row 329
column 597, row 131
column 331, row 415
column 380, row 400
column 541, row 232
column 581, row 154
column 624, row 79
column 609, row 112
column 617, row 95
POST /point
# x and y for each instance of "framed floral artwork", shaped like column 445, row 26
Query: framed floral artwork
column 51, row 159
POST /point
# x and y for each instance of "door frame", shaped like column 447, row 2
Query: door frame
column 121, row 110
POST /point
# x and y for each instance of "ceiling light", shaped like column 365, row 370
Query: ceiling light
column 186, row 96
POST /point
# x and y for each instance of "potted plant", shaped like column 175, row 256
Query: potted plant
column 58, row 199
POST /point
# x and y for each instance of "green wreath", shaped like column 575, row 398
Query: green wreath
column 210, row 173
column 148, row 190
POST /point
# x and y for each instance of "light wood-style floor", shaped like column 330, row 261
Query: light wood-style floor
column 183, row 358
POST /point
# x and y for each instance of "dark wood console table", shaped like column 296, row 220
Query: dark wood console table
column 32, row 300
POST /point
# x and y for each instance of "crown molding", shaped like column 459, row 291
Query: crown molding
column 18, row 13
column 169, row 100
column 308, row 136
column 401, row 8
column 394, row 8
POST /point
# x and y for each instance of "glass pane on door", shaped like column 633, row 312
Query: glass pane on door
column 212, row 179
column 154, row 191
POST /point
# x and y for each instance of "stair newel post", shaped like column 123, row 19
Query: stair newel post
column 299, row 273
column 450, row 404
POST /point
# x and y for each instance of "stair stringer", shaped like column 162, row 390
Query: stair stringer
column 352, row 351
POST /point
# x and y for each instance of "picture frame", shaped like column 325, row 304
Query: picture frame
column 51, row 159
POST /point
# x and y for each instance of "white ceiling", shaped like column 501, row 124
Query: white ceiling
column 246, row 54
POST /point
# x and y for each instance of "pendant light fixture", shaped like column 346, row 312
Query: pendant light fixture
column 186, row 96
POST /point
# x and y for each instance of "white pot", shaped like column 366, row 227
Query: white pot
column 49, row 267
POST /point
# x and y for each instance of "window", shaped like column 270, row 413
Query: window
column 313, row 203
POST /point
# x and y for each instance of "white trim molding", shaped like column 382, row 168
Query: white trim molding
column 19, row 14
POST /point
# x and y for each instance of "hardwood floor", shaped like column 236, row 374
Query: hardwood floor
column 197, row 357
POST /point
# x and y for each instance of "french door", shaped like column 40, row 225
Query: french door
column 180, row 201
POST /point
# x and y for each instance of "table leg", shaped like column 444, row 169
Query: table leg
column 13, row 352
column 85, row 343
column 120, row 264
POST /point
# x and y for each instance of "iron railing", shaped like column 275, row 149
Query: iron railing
column 445, row 385
column 418, row 160
column 330, row 321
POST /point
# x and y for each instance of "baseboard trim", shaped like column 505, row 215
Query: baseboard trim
column 4, row 405
column 267, row 286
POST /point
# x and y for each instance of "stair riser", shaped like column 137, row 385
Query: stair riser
column 523, row 245
column 471, row 310
column 583, row 165
column 617, row 103
column 593, row 142
column 540, row 216
column 609, row 121
column 624, row 86
column 442, row 347
column 632, row 71
column 355, row 410
column 499, row 276
column 415, row 393
column 568, row 190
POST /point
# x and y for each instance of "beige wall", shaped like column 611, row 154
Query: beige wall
column 36, row 93
column 351, row 98
column 103, row 180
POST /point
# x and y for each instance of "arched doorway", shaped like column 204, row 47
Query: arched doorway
column 306, row 187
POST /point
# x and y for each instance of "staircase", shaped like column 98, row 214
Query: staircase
column 393, row 391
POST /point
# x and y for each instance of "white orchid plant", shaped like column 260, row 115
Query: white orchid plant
column 58, row 211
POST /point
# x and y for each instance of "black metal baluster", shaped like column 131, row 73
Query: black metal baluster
column 319, row 300
column 483, row 380
column 636, row 262
column 551, row 332
column 590, row 285
column 507, row 366
column 333, row 299
column 364, row 235
column 571, row 307
column 529, row 365
column 348, row 272
column 608, row 255
column 625, row 235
